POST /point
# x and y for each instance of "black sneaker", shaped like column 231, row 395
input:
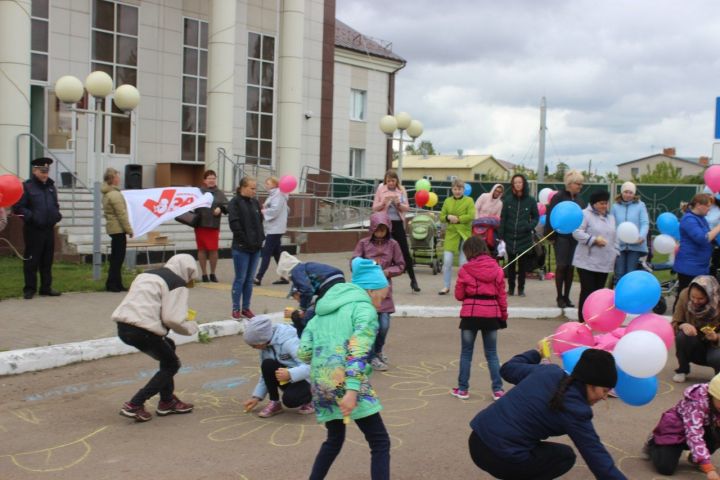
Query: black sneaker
column 521, row 293
column 257, row 282
column 50, row 293
column 282, row 281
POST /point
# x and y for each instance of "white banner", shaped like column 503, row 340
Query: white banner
column 151, row 207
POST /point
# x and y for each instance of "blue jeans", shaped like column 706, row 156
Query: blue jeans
column 377, row 437
column 384, row 326
column 467, row 344
column 448, row 264
column 245, row 264
column 626, row 262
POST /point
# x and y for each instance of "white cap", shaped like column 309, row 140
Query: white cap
column 628, row 187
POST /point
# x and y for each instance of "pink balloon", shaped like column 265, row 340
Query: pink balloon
column 551, row 195
column 712, row 178
column 287, row 183
column 600, row 313
column 570, row 335
column 541, row 208
column 656, row 324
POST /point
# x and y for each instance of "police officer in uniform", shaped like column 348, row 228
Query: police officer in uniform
column 41, row 212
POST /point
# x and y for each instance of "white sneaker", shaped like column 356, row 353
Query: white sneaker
column 378, row 364
column 679, row 378
column 383, row 358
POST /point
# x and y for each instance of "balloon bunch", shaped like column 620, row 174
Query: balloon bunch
column 544, row 198
column 11, row 190
column 423, row 196
column 640, row 350
column 669, row 227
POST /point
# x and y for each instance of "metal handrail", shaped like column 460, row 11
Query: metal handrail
column 308, row 170
column 241, row 169
column 47, row 151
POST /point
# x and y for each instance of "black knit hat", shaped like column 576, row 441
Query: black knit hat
column 596, row 367
column 599, row 196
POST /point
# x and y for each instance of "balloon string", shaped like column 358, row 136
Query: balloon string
column 611, row 307
column 12, row 247
column 526, row 251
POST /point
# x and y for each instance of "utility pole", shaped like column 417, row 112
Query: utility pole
column 541, row 148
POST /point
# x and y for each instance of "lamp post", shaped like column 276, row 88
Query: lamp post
column 99, row 85
column 402, row 122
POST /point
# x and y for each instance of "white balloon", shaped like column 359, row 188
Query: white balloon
column 628, row 232
column 641, row 354
column 664, row 244
column 543, row 195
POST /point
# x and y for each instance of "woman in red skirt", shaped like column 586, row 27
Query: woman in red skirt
column 207, row 232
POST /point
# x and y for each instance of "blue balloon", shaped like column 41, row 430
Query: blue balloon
column 635, row 391
column 543, row 219
column 637, row 292
column 668, row 224
column 566, row 217
column 468, row 189
column 571, row 357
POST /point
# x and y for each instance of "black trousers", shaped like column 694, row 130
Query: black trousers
column 270, row 249
column 377, row 437
column 589, row 282
column 294, row 393
column 159, row 348
column 693, row 350
column 665, row 458
column 118, row 246
column 683, row 282
column 547, row 461
column 39, row 252
column 517, row 270
column 399, row 235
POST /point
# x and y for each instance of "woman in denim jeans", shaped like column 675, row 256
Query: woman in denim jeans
column 481, row 287
column 246, row 223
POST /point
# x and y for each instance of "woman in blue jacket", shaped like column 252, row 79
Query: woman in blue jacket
column 696, row 239
column 507, row 438
column 629, row 208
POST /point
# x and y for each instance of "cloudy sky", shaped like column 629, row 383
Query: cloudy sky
column 623, row 79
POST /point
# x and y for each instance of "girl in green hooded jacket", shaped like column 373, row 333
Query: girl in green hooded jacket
column 337, row 343
column 458, row 211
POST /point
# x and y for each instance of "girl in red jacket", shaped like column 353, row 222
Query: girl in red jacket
column 481, row 287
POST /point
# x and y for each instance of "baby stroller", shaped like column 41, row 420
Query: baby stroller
column 425, row 243
column 485, row 228
column 668, row 288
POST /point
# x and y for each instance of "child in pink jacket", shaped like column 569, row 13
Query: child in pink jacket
column 693, row 424
column 386, row 252
column 481, row 287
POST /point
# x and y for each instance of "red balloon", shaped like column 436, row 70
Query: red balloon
column 421, row 198
column 11, row 190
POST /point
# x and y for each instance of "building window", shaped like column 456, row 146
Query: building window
column 114, row 51
column 358, row 103
column 476, row 176
column 194, row 94
column 39, row 40
column 451, row 178
column 260, row 99
column 634, row 172
column 357, row 163
column 679, row 172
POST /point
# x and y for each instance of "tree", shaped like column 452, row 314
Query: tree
column 612, row 177
column 424, row 148
column 559, row 174
column 526, row 172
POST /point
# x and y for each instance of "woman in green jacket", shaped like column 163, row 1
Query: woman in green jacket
column 117, row 226
column 518, row 219
column 337, row 343
column 458, row 212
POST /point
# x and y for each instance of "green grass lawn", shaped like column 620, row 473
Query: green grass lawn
column 67, row 277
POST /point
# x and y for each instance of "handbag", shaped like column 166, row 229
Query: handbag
column 191, row 219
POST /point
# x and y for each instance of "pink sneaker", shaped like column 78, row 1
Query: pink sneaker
column 137, row 412
column 461, row 394
column 306, row 409
column 272, row 408
column 236, row 314
column 498, row 395
column 173, row 406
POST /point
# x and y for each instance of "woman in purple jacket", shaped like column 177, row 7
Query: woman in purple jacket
column 693, row 424
column 386, row 252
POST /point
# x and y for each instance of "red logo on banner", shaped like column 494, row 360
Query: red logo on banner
column 168, row 202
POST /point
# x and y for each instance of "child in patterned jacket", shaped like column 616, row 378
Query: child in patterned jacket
column 693, row 424
column 337, row 343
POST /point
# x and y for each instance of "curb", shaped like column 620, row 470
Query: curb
column 42, row 358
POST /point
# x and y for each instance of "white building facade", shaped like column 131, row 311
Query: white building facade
column 277, row 83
